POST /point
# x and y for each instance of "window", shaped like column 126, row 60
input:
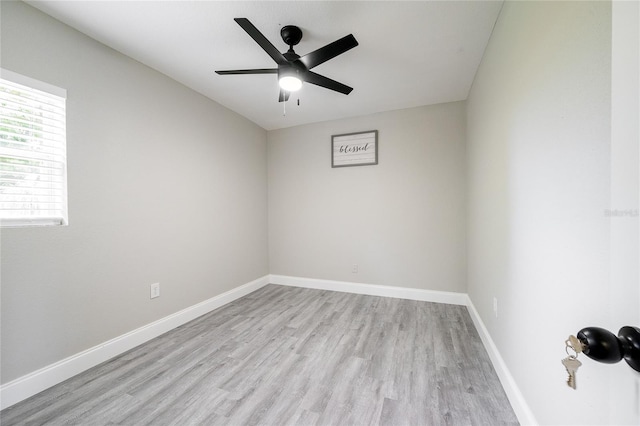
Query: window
column 33, row 160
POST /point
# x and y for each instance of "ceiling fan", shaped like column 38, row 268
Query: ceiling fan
column 294, row 69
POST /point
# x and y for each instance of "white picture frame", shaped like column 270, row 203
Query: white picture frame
column 354, row 149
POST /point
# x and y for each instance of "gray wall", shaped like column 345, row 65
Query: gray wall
column 539, row 136
column 402, row 221
column 164, row 186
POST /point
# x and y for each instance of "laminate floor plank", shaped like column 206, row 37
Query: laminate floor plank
column 291, row 356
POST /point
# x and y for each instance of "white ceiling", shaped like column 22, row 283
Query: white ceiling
column 410, row 53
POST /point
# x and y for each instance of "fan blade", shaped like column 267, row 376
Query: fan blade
column 254, row 71
column 262, row 41
column 329, row 51
column 284, row 96
column 322, row 81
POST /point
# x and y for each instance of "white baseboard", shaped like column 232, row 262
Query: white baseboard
column 33, row 383
column 518, row 403
column 447, row 297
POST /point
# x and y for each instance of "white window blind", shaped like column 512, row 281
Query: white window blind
column 33, row 160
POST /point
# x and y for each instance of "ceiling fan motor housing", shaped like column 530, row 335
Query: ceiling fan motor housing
column 295, row 67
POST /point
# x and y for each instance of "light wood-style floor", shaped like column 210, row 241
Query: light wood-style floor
column 285, row 356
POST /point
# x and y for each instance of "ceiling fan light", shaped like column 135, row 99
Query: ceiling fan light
column 290, row 83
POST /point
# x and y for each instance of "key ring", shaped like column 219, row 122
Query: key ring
column 568, row 346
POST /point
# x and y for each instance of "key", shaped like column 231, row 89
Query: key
column 574, row 343
column 571, row 364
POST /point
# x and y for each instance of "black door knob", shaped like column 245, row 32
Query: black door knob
column 630, row 339
column 601, row 345
column 604, row 346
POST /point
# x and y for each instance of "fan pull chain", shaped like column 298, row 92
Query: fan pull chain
column 284, row 107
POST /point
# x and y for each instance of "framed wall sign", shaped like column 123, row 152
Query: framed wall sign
column 354, row 149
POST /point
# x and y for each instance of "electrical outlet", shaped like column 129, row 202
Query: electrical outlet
column 354, row 268
column 495, row 307
column 155, row 290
